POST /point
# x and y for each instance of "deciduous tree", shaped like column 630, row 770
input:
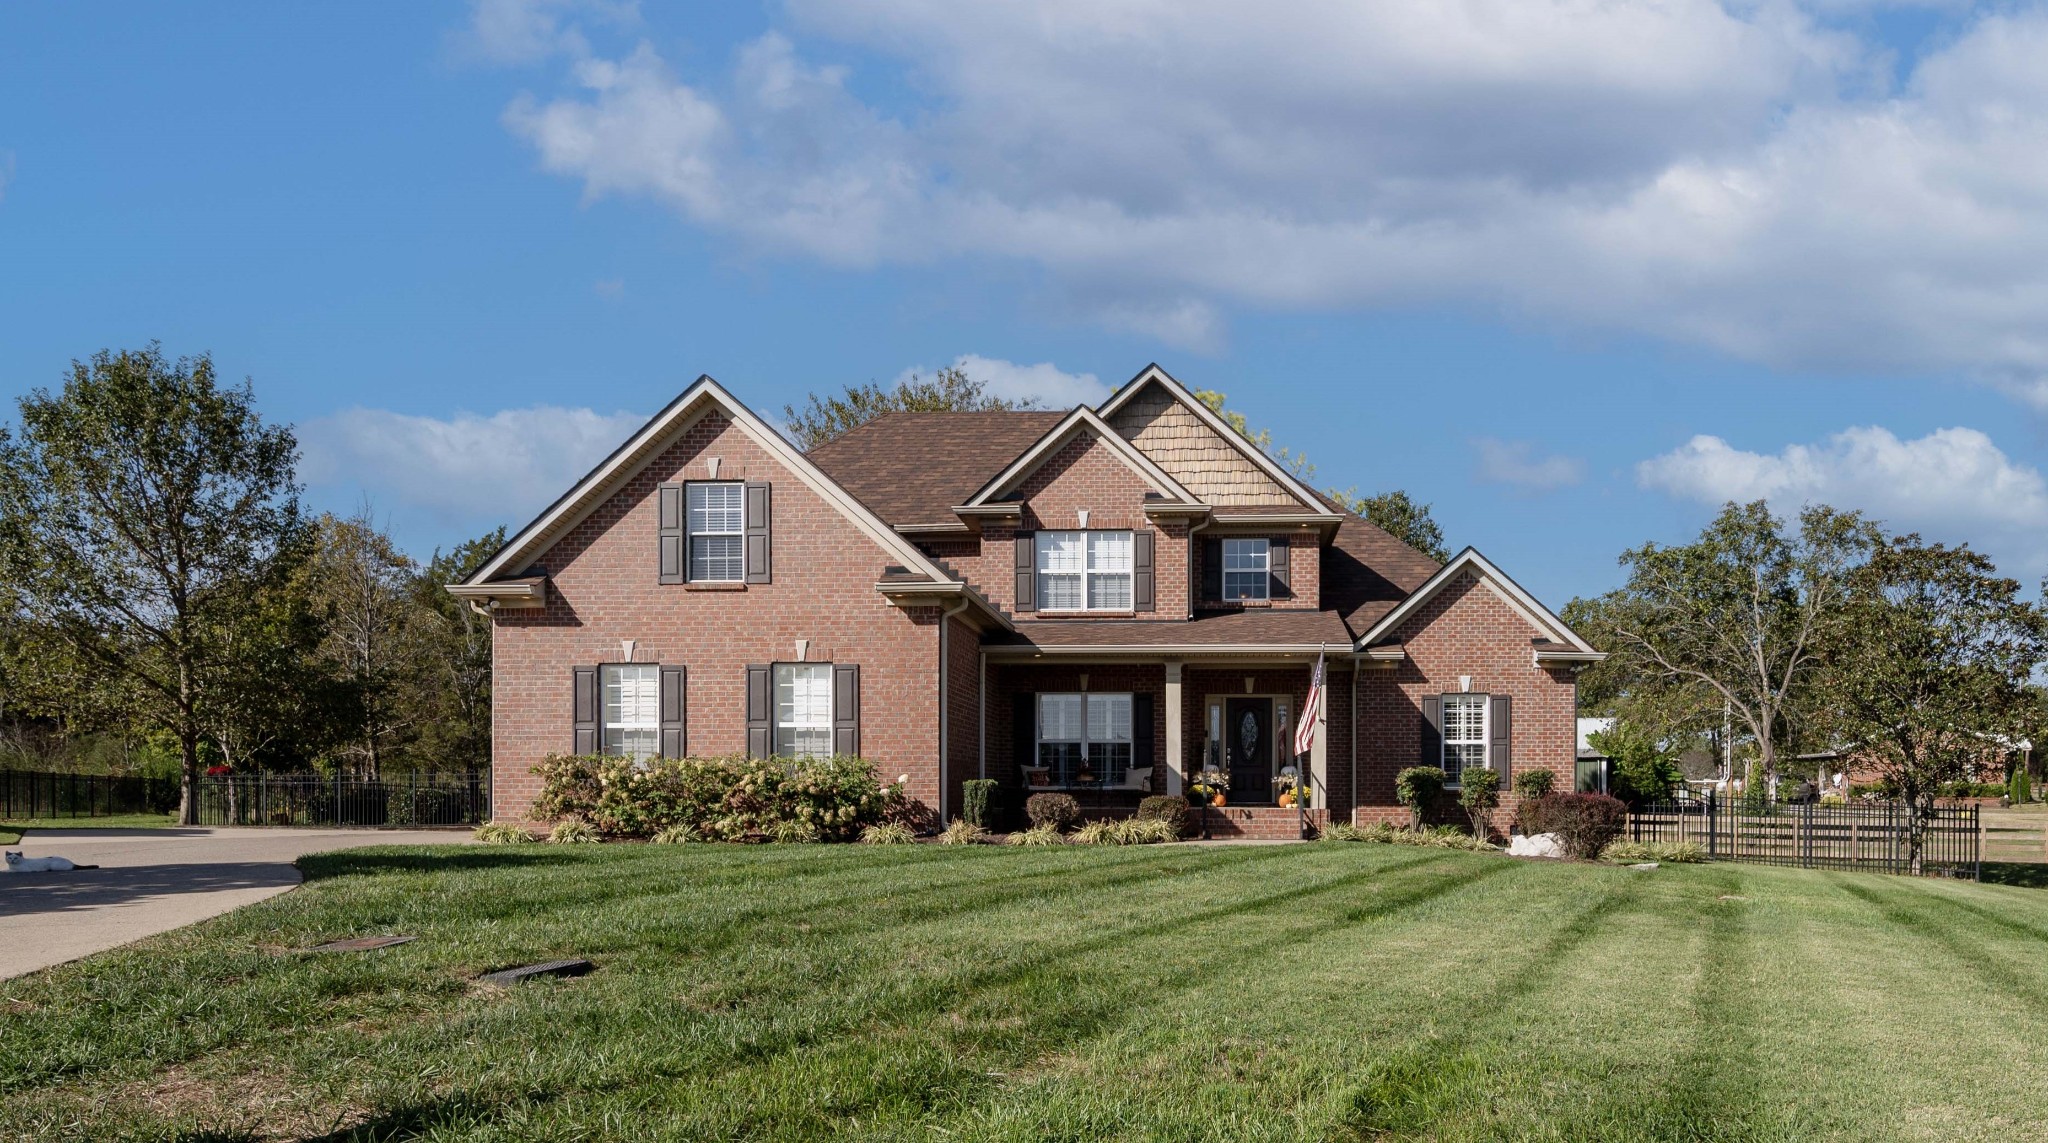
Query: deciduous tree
column 950, row 390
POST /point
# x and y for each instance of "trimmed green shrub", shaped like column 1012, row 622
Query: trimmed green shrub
column 888, row 833
column 502, row 833
column 1583, row 823
column 1534, row 783
column 977, row 802
column 963, row 832
column 1635, row 852
column 1171, row 809
column 1416, row 787
column 2020, row 788
column 1038, row 835
column 570, row 831
column 678, row 835
column 728, row 798
column 1479, row 793
column 1060, row 811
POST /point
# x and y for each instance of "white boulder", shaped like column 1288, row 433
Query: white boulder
column 1540, row 845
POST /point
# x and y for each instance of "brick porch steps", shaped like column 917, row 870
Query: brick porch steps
column 1258, row 823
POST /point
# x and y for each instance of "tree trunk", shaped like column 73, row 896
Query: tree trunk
column 188, row 750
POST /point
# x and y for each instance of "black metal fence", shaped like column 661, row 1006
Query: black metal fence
column 314, row 800
column 34, row 794
column 1866, row 836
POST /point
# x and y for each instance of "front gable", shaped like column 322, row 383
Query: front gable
column 1190, row 442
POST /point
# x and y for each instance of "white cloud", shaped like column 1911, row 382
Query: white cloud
column 503, row 467
column 1046, row 383
column 1518, row 465
column 1952, row 484
column 1741, row 176
column 528, row 31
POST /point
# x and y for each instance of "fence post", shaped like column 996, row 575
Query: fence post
column 337, row 795
column 1806, row 838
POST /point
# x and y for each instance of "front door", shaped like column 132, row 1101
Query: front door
column 1248, row 737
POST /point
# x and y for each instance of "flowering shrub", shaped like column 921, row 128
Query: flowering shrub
column 728, row 798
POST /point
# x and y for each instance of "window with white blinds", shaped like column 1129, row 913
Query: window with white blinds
column 1089, row 732
column 803, row 710
column 632, row 710
column 1464, row 735
column 1084, row 571
column 717, row 521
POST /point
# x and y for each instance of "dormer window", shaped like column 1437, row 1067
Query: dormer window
column 717, row 526
column 1084, row 571
column 1247, row 570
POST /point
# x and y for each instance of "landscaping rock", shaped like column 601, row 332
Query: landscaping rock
column 1541, row 845
column 1644, row 865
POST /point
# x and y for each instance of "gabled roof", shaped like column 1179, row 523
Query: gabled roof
column 1083, row 419
column 1539, row 616
column 656, row 435
column 911, row 468
column 1153, row 375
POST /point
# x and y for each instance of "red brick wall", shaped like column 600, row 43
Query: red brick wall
column 602, row 589
column 1304, row 570
column 963, row 709
column 1465, row 630
column 1084, row 473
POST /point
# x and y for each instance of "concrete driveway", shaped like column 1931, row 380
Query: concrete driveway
column 150, row 881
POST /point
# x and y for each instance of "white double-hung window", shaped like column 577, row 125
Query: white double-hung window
column 1247, row 569
column 1084, row 571
column 1090, row 732
column 1464, row 735
column 803, row 710
column 632, row 709
column 716, row 526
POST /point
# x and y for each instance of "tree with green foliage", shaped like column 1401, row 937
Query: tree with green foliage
column 1644, row 770
column 455, row 706
column 1742, row 614
column 1927, row 673
column 950, row 390
column 1395, row 513
column 362, row 585
column 140, row 510
column 2019, row 789
column 1479, row 793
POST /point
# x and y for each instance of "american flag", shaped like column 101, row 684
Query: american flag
column 1305, row 728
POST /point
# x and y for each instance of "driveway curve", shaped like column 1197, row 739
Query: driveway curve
column 151, row 881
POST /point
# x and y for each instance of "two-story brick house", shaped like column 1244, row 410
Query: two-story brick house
column 1107, row 600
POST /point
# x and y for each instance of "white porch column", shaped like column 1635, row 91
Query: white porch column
column 1175, row 758
column 1319, row 749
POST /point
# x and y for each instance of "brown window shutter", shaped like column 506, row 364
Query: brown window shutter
column 669, row 499
column 1279, row 568
column 675, row 740
column 760, row 710
column 1142, row 578
column 1024, row 732
column 1143, row 741
column 1499, row 733
column 760, row 539
column 1212, row 570
column 583, row 682
column 1027, row 571
column 846, row 709
column 1432, row 731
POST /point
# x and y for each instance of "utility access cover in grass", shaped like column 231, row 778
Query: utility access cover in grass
column 512, row 976
column 360, row 944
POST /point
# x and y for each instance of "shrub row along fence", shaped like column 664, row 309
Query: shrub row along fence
column 314, row 800
column 31, row 794
column 1866, row 836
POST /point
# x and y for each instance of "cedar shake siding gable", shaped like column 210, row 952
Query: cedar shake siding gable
column 1187, row 439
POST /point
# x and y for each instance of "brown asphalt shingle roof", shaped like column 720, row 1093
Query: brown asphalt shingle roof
column 1366, row 571
column 1262, row 627
column 912, row 468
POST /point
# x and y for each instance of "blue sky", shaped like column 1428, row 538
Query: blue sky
column 1572, row 273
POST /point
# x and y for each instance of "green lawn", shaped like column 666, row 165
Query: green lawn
column 11, row 829
column 1226, row 993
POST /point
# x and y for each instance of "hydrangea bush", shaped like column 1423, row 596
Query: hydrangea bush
column 730, row 798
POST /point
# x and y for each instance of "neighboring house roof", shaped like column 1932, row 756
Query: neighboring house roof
column 1272, row 629
column 1561, row 645
column 912, row 468
column 701, row 398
